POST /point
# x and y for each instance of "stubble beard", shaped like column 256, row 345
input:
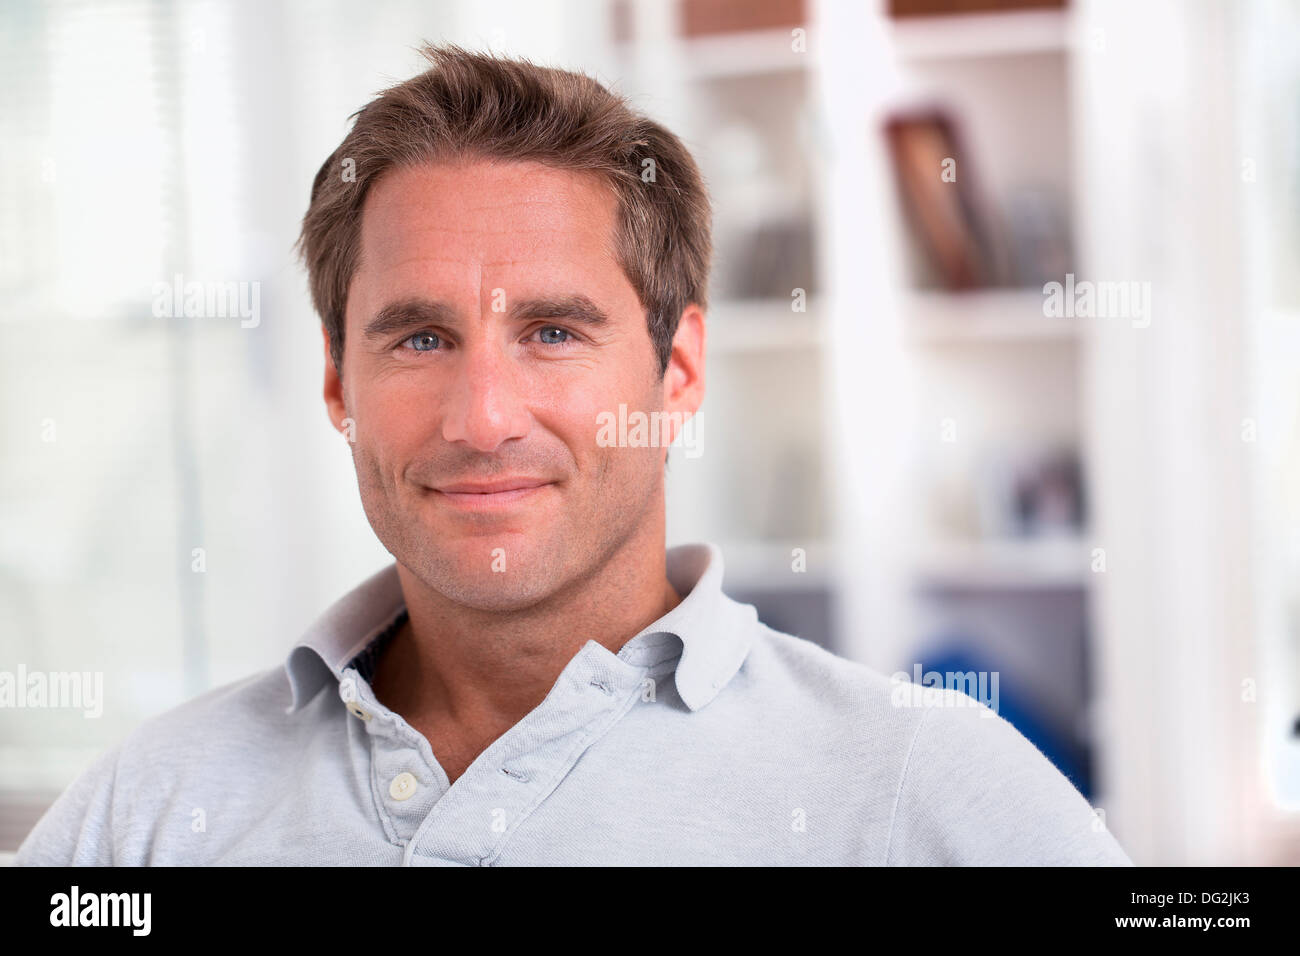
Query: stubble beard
column 565, row 557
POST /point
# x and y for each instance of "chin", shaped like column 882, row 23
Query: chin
column 490, row 572
column 494, row 591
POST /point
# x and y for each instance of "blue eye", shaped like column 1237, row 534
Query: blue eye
column 424, row 342
column 551, row 329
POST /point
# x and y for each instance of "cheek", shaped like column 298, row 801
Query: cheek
column 393, row 420
column 576, row 416
column 591, row 419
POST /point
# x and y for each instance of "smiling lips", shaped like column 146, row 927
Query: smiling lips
column 488, row 495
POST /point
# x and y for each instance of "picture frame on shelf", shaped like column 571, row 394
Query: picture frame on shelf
column 943, row 209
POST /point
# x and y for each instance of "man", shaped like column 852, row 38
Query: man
column 502, row 255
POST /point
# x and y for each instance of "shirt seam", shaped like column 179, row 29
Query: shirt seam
column 376, row 794
column 902, row 779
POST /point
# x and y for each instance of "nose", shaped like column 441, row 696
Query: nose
column 487, row 401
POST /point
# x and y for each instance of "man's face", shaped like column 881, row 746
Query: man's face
column 488, row 326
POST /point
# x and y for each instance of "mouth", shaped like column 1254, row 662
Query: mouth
column 489, row 495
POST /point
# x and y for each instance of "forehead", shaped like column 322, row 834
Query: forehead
column 508, row 218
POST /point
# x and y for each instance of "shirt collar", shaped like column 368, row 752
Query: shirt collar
column 715, row 631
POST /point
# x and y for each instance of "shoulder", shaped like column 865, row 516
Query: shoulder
column 171, row 759
column 964, row 785
column 976, row 791
column 839, row 721
column 223, row 730
column 223, row 719
column 821, row 684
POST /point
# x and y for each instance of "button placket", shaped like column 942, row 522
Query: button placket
column 607, row 683
column 519, row 770
column 405, row 787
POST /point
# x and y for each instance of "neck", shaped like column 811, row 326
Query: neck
column 482, row 671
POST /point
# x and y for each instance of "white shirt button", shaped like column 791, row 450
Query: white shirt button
column 403, row 786
column 357, row 710
column 348, row 691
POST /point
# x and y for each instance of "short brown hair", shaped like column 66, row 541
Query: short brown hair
column 473, row 105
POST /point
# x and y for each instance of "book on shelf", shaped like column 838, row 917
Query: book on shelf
column 900, row 9
column 713, row 17
column 941, row 203
column 961, row 238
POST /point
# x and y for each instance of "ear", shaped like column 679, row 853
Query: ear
column 684, row 377
column 334, row 402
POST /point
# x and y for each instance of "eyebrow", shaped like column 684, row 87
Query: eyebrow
column 414, row 314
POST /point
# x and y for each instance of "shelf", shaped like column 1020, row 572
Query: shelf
column 1009, row 564
column 742, row 54
column 1002, row 315
column 732, row 55
column 962, row 35
column 762, row 325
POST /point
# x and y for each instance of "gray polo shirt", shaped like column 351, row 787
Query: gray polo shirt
column 709, row 738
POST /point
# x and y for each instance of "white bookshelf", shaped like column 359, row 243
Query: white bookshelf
column 764, row 325
column 741, row 102
column 979, row 34
column 919, row 560
column 747, row 54
column 990, row 360
column 996, row 317
column 777, row 375
column 1003, row 565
